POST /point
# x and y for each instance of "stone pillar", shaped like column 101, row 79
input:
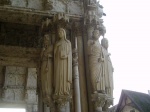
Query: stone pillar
column 99, row 100
column 77, row 102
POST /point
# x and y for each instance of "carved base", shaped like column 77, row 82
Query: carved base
column 99, row 100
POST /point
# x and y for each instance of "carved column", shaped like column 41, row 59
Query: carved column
column 76, row 79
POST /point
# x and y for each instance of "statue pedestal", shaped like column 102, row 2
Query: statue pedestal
column 99, row 100
column 62, row 103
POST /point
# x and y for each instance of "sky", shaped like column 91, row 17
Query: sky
column 128, row 31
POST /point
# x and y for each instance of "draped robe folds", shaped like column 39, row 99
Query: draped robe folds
column 63, row 67
column 108, row 73
column 96, row 65
column 47, row 74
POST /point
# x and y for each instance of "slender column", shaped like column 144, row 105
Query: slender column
column 76, row 79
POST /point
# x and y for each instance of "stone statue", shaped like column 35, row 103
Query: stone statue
column 108, row 68
column 47, row 70
column 96, row 63
column 62, row 65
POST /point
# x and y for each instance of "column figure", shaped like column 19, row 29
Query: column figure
column 47, row 70
column 96, row 63
column 62, row 71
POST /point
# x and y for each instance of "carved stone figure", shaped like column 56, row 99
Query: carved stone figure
column 62, row 65
column 96, row 63
column 108, row 68
column 47, row 70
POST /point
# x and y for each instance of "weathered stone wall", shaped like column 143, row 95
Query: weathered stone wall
column 65, row 6
column 18, row 88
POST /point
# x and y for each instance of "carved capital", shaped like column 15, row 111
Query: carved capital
column 99, row 101
column 61, row 20
column 108, row 103
column 77, row 29
column 61, row 101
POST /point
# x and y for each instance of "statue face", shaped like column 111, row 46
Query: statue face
column 61, row 33
column 96, row 34
column 105, row 43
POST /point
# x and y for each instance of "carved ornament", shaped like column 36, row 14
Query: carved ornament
column 99, row 100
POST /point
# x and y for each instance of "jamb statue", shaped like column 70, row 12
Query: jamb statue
column 108, row 68
column 47, row 70
column 96, row 63
column 62, row 65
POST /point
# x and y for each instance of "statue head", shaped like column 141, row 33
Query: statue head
column 104, row 43
column 62, row 33
column 96, row 34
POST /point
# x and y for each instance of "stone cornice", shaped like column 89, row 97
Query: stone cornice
column 28, row 16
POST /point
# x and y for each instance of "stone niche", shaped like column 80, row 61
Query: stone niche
column 18, row 87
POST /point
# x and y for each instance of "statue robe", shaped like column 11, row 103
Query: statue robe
column 62, row 67
column 47, row 74
column 96, row 65
column 108, row 73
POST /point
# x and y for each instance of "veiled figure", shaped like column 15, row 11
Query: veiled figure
column 108, row 68
column 96, row 63
column 62, row 65
column 47, row 70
